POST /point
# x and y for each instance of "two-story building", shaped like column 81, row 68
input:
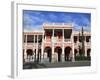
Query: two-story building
column 56, row 42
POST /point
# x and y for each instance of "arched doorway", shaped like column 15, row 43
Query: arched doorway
column 39, row 55
column 29, row 54
column 49, row 53
column 34, row 54
column 88, row 52
column 67, row 53
column 58, row 50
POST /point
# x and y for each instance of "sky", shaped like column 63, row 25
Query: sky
column 33, row 20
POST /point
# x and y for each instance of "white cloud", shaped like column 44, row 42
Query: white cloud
column 76, row 27
column 34, row 20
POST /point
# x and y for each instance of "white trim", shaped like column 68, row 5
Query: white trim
column 17, row 70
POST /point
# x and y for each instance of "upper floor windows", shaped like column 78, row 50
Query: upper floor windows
column 75, row 39
column 85, row 38
column 88, row 38
column 32, row 38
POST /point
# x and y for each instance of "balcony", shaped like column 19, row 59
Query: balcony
column 30, row 45
column 55, row 40
column 88, row 44
column 67, row 40
column 57, row 24
column 47, row 40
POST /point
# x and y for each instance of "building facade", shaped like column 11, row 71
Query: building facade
column 57, row 42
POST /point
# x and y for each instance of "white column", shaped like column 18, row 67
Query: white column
column 63, row 59
column 42, row 47
column 25, row 54
column 34, row 48
column 63, row 35
column 77, row 38
column 53, row 46
column 77, row 43
column 73, row 56
column 37, row 47
column 45, row 37
column 34, row 41
column 85, row 46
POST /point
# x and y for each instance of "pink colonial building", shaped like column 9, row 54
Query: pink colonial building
column 56, row 42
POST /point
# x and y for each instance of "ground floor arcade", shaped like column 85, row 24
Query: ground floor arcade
column 49, row 54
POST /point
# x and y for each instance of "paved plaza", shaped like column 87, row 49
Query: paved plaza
column 33, row 65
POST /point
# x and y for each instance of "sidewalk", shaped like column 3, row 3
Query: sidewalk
column 32, row 65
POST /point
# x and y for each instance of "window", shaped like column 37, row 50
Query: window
column 30, row 38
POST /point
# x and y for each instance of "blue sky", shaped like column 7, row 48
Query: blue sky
column 33, row 20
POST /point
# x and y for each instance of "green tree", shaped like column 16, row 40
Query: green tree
column 81, row 39
column 83, row 47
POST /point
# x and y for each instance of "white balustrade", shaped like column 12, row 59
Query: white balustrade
column 67, row 40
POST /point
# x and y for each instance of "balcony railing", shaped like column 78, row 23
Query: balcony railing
column 80, row 44
column 57, row 40
column 32, row 44
column 56, row 24
column 88, row 43
column 67, row 40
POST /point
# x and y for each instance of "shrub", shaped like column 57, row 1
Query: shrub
column 82, row 58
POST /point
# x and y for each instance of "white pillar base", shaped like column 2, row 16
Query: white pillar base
column 63, row 59
column 85, row 52
column 73, row 59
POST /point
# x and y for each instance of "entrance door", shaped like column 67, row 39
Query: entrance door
column 67, row 53
column 59, row 52
column 48, row 51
